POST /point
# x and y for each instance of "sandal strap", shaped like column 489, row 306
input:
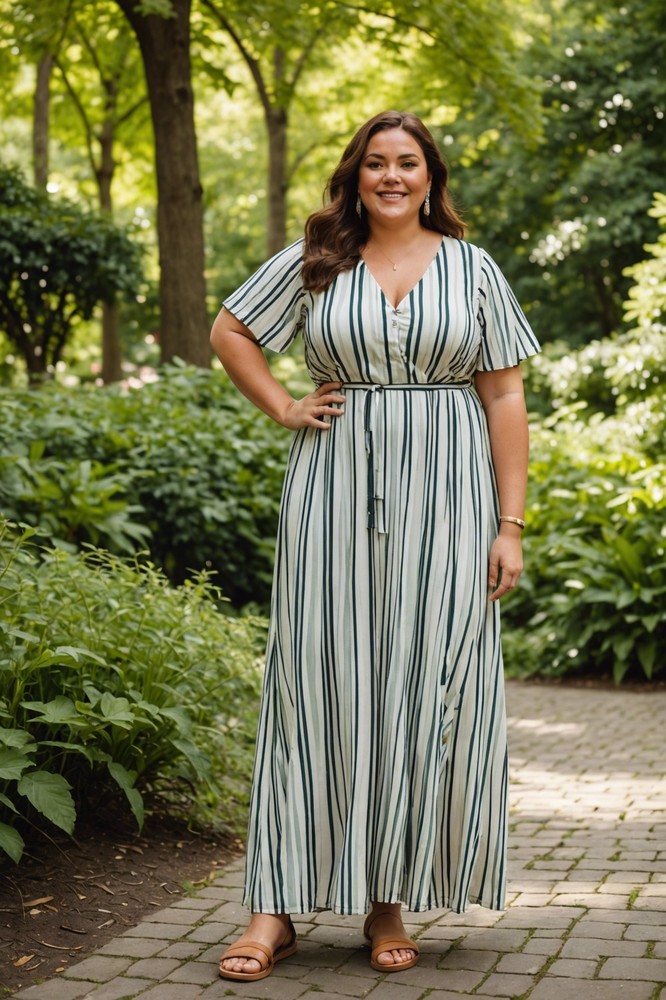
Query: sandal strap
column 250, row 949
column 370, row 919
column 391, row 944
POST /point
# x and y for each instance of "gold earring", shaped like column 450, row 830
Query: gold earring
column 426, row 203
column 359, row 205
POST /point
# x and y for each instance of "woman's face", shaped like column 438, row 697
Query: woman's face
column 393, row 178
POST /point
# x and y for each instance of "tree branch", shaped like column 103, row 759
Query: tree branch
column 404, row 22
column 250, row 61
column 92, row 52
column 121, row 119
column 87, row 127
column 305, row 55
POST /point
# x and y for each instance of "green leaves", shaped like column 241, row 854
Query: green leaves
column 14, row 762
column 110, row 684
column 11, row 842
column 57, row 262
column 184, row 467
column 595, row 551
column 50, row 795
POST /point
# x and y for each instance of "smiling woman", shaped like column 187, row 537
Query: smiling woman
column 391, row 161
column 381, row 765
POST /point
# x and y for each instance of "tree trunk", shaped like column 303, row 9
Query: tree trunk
column 40, row 121
column 276, row 122
column 165, row 47
column 111, row 354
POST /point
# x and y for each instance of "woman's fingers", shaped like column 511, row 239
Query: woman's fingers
column 504, row 567
column 313, row 409
column 506, row 584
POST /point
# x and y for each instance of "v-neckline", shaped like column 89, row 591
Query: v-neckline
column 414, row 286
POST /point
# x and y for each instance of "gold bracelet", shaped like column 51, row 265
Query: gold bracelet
column 513, row 520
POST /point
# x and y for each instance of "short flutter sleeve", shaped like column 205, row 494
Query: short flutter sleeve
column 506, row 336
column 270, row 303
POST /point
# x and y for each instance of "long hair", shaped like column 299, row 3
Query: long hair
column 335, row 234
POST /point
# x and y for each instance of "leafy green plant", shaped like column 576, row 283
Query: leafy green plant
column 185, row 467
column 594, row 589
column 57, row 263
column 112, row 682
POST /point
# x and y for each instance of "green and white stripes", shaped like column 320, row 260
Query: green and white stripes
column 381, row 762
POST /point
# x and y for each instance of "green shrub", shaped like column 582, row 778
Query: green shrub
column 593, row 594
column 607, row 374
column 112, row 681
column 185, row 467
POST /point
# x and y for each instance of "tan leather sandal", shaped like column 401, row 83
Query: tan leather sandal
column 389, row 944
column 263, row 955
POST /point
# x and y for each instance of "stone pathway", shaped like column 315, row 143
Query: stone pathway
column 587, row 905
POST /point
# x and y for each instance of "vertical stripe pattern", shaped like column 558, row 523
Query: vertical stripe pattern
column 381, row 760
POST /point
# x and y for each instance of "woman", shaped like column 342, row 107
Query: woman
column 381, row 766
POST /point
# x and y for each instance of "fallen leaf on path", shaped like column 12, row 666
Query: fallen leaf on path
column 60, row 947
column 37, row 902
column 23, row 961
column 99, row 885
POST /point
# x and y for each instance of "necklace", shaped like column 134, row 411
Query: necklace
column 393, row 264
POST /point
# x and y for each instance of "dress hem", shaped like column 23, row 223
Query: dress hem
column 442, row 905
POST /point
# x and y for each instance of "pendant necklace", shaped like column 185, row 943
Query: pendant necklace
column 392, row 262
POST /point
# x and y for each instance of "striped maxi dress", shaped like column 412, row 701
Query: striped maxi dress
column 381, row 759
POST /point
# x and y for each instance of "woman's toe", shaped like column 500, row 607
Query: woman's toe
column 241, row 965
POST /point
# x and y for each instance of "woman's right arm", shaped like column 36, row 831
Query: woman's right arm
column 245, row 364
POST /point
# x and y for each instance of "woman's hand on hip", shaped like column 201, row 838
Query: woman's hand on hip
column 506, row 565
column 312, row 410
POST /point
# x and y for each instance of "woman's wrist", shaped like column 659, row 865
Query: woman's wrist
column 512, row 519
column 510, row 530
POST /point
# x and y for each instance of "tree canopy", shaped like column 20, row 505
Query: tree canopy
column 216, row 124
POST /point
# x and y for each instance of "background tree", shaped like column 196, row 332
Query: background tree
column 567, row 214
column 57, row 263
column 39, row 29
column 101, row 69
column 162, row 28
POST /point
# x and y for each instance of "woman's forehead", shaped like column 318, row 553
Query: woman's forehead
column 394, row 142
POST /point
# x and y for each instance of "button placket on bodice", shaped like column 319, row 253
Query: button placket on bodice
column 398, row 324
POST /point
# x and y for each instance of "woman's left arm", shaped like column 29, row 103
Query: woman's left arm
column 503, row 399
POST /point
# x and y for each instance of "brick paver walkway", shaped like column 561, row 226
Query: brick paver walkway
column 587, row 913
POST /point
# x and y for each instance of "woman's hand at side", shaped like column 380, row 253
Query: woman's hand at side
column 311, row 410
column 506, row 562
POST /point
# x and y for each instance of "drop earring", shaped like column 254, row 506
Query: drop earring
column 359, row 206
column 426, row 203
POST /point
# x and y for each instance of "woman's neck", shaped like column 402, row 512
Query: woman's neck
column 395, row 236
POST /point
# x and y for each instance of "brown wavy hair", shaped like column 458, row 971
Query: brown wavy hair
column 335, row 234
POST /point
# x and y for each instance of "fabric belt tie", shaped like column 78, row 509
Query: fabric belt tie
column 374, row 391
